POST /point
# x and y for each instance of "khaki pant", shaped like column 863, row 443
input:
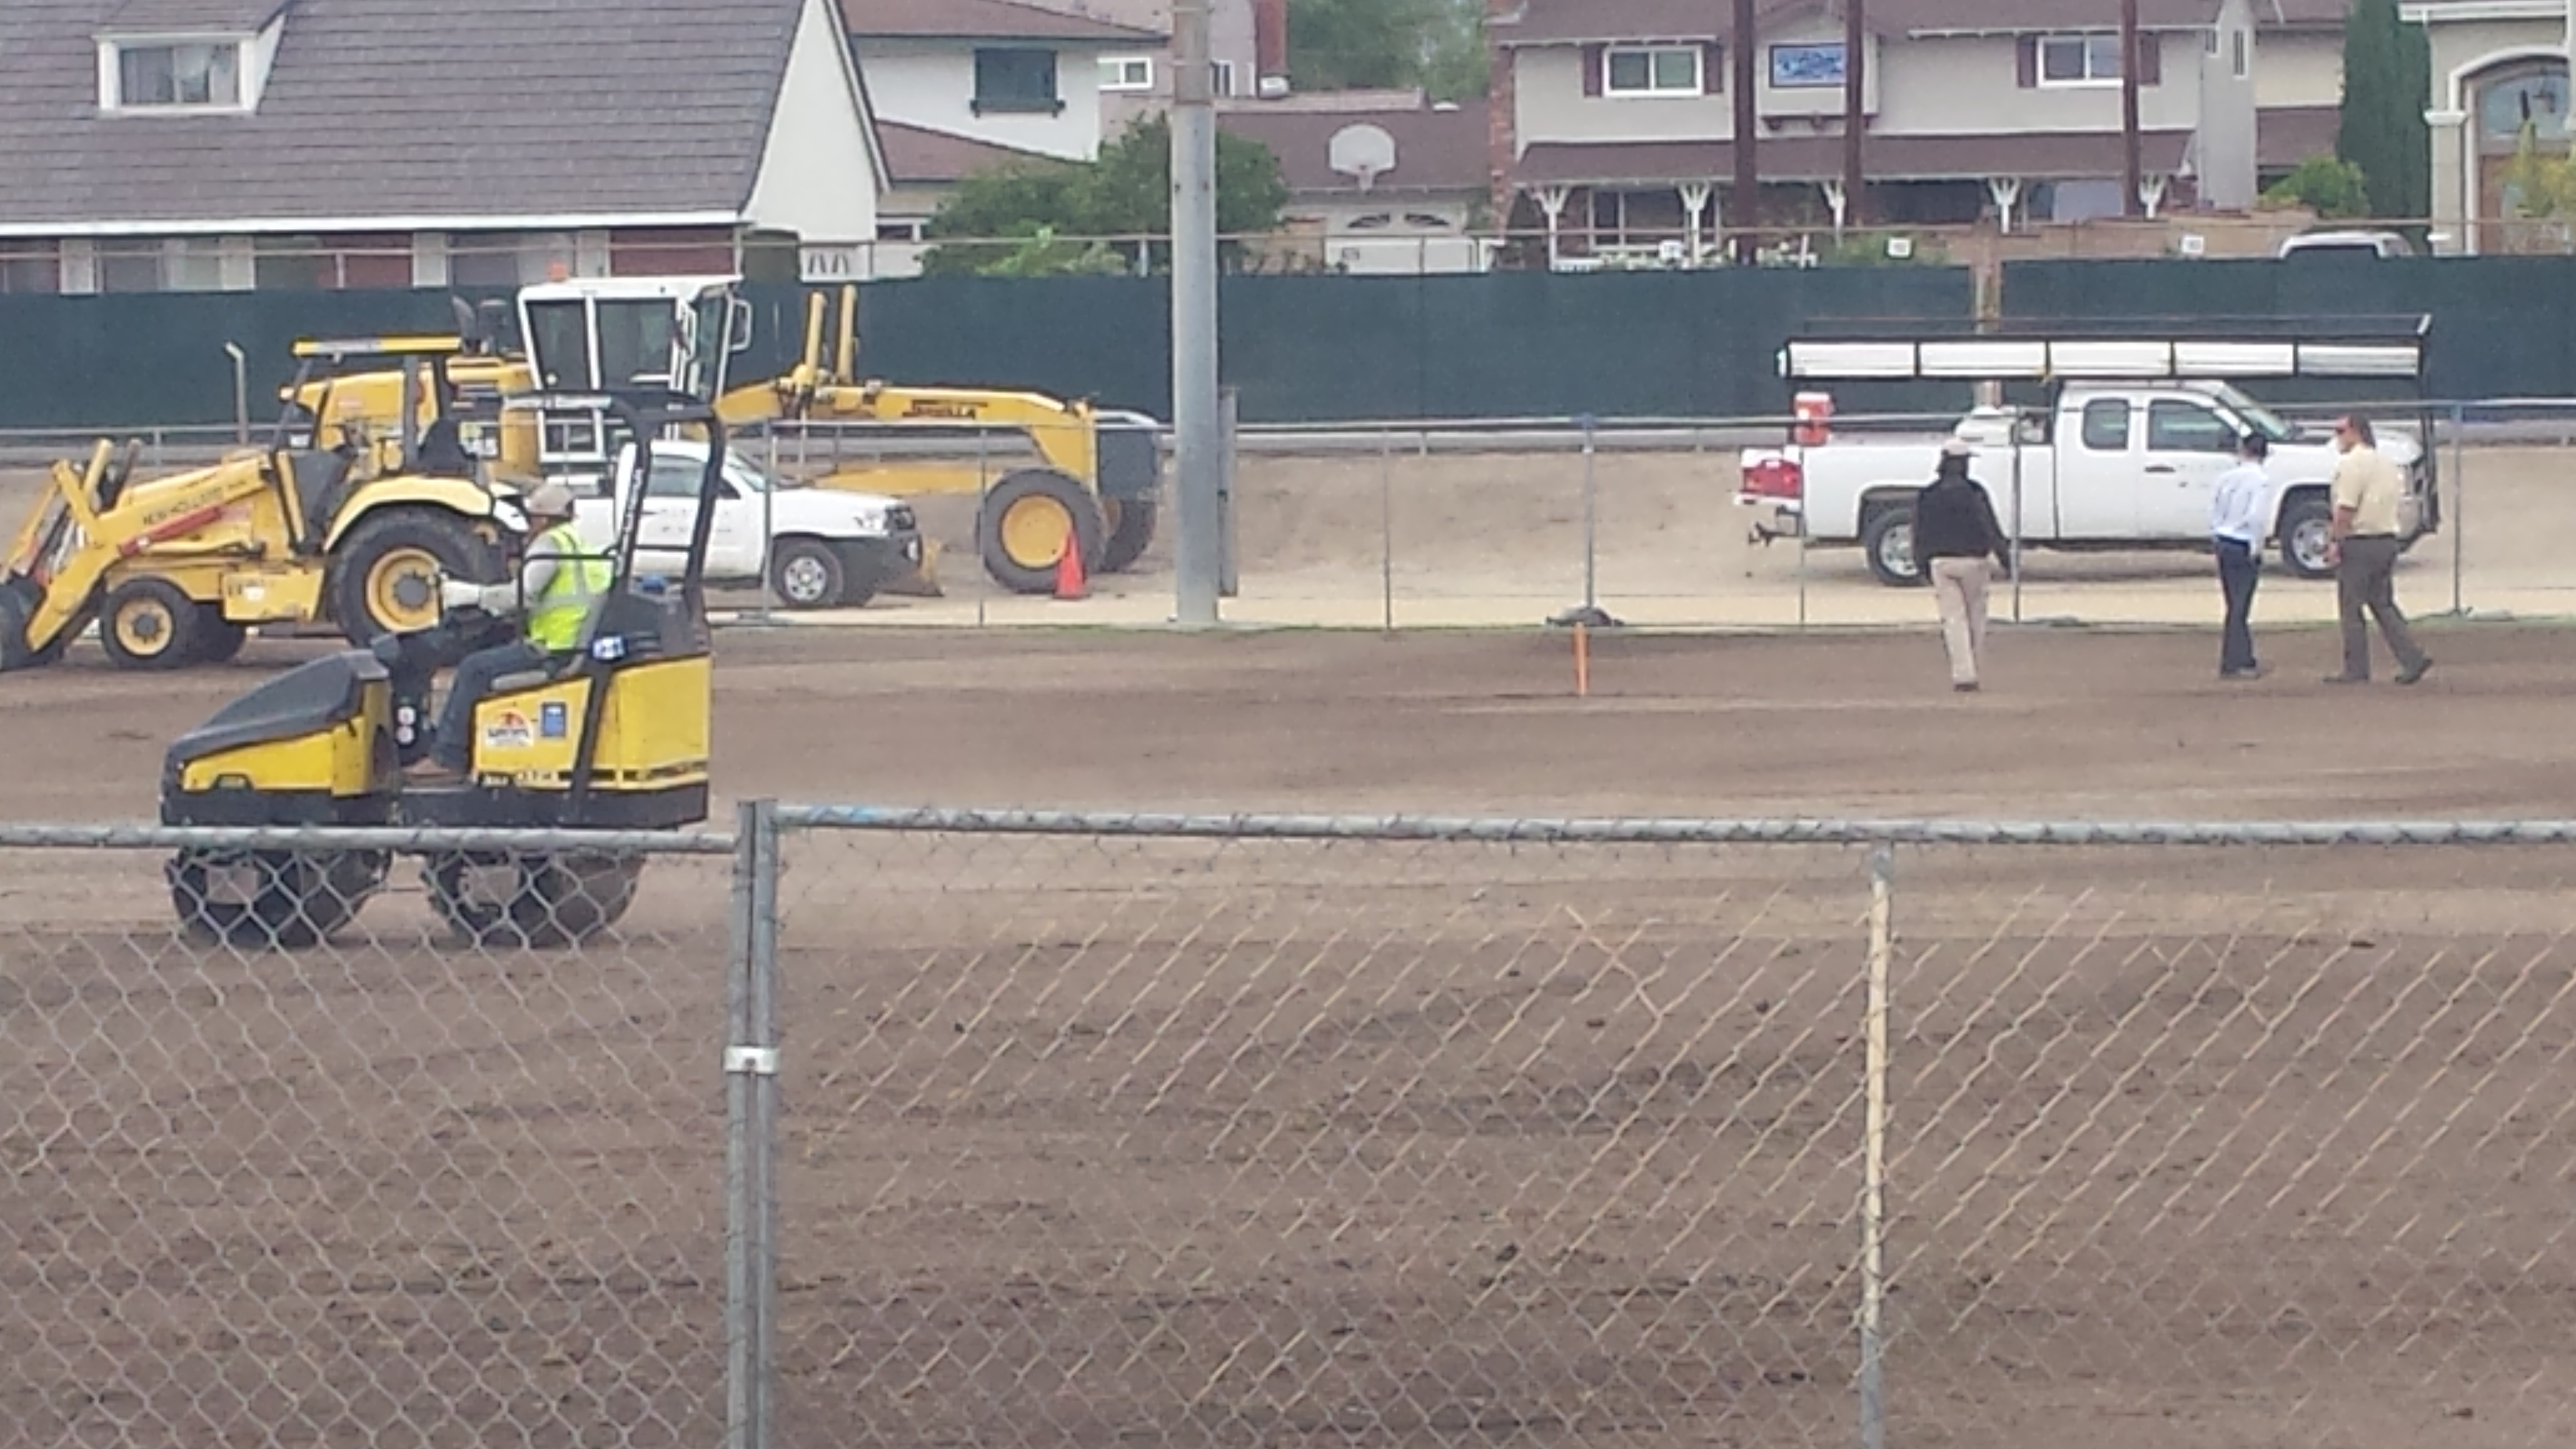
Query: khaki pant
column 2366, row 582
column 1959, row 585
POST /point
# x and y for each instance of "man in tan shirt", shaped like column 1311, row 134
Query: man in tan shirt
column 2368, row 490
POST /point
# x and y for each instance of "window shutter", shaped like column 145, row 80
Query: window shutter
column 2151, row 59
column 1712, row 68
column 1595, row 60
column 2029, row 61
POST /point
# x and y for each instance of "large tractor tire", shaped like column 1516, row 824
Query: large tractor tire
column 531, row 901
column 1131, row 532
column 384, row 575
column 1025, row 522
column 150, row 624
column 219, row 640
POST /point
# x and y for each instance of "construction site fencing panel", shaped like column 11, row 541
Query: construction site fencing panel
column 1225, row 1130
column 386, row 1189
column 877, row 1127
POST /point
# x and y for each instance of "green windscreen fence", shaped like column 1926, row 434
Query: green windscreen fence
column 1299, row 349
column 2502, row 326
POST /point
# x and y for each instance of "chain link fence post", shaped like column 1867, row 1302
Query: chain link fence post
column 1873, row 1191
column 751, row 1111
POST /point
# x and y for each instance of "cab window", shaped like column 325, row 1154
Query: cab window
column 2182, row 427
column 2106, row 424
column 671, row 478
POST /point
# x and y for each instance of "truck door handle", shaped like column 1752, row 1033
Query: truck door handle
column 2159, row 468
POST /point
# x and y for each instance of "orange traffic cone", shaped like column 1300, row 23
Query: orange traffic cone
column 1069, row 580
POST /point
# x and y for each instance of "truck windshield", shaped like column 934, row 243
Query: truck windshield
column 2263, row 419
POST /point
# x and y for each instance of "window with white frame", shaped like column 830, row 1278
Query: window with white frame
column 2079, row 60
column 172, row 75
column 2242, row 61
column 1221, row 77
column 1127, row 73
column 1652, row 70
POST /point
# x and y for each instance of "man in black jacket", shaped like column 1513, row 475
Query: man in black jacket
column 1954, row 534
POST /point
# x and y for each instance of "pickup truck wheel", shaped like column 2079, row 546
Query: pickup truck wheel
column 1888, row 540
column 806, row 573
column 2306, row 531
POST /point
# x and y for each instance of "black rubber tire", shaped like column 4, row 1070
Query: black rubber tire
column 461, row 553
column 297, row 899
column 1131, row 532
column 151, row 601
column 219, row 640
column 1027, row 576
column 1890, row 529
column 807, row 573
column 2310, row 512
column 557, row 900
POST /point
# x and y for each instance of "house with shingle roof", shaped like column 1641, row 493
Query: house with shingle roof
column 1614, row 119
column 238, row 144
column 962, row 86
column 1386, row 181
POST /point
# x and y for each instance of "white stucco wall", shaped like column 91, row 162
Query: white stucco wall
column 818, row 177
column 2461, row 50
column 1951, row 85
column 931, row 83
column 2300, row 68
column 1931, row 85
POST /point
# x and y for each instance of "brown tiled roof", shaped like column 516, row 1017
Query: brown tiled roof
column 921, row 156
column 983, row 20
column 2035, row 155
column 2288, row 135
column 1435, row 150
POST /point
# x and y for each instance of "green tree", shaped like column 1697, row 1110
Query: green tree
column 2540, row 184
column 2387, row 82
column 2332, row 189
column 1438, row 45
column 1043, row 218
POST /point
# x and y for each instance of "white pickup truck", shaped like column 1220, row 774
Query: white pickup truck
column 2113, row 467
column 822, row 548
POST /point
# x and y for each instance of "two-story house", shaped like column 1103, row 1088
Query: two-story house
column 961, row 86
column 1615, row 123
column 1137, row 81
column 2499, row 73
column 203, row 145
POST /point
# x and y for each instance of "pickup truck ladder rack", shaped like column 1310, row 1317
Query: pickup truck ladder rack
column 2396, row 351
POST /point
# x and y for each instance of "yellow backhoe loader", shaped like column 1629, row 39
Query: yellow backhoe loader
column 1094, row 483
column 354, row 532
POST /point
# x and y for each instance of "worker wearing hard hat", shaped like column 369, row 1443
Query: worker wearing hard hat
column 557, row 583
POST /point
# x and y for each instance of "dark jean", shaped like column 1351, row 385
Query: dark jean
column 2238, row 572
column 453, row 746
column 2366, row 580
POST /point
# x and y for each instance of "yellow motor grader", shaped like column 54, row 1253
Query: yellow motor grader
column 1092, row 482
column 354, row 531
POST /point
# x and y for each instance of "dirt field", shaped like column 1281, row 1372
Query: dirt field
column 1097, row 1142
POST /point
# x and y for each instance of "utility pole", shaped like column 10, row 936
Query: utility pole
column 1198, row 441
column 2132, row 171
column 1743, row 201
column 1855, row 116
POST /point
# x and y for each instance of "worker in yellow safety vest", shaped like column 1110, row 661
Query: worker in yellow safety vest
column 557, row 582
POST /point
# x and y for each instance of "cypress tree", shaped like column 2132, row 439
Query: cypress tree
column 2387, row 82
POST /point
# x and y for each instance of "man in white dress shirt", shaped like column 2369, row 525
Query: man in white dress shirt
column 2240, row 513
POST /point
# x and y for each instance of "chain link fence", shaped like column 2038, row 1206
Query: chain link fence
column 392, row 1189
column 899, row 1128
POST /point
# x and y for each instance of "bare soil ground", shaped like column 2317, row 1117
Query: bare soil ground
column 1095, row 1142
